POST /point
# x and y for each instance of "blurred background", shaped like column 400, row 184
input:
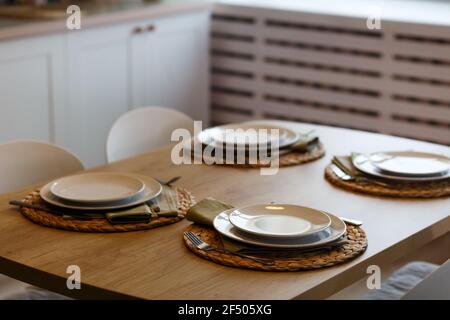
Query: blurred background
column 380, row 66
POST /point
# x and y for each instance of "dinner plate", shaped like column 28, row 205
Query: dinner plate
column 101, row 187
column 362, row 162
column 411, row 163
column 151, row 190
column 279, row 220
column 336, row 230
column 217, row 137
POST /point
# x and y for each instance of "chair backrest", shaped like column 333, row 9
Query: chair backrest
column 143, row 129
column 26, row 162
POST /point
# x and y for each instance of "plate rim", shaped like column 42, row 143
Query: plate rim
column 141, row 189
column 296, row 135
column 283, row 236
column 426, row 154
column 375, row 173
column 283, row 246
column 44, row 193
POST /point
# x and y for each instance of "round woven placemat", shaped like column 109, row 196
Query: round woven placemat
column 293, row 158
column 417, row 190
column 289, row 159
column 309, row 260
column 185, row 201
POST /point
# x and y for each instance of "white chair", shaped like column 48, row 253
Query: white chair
column 143, row 129
column 25, row 163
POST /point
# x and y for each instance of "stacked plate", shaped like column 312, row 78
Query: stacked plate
column 280, row 226
column 405, row 166
column 248, row 136
column 100, row 191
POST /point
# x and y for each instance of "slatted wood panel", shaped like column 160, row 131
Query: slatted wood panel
column 330, row 70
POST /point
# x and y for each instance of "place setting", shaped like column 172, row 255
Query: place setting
column 408, row 174
column 106, row 202
column 272, row 236
column 245, row 139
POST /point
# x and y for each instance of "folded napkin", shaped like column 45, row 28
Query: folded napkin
column 139, row 214
column 304, row 144
column 166, row 204
column 206, row 210
column 345, row 164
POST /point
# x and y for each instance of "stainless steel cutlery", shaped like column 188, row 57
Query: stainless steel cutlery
column 202, row 245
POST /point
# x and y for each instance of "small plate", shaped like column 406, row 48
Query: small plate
column 216, row 136
column 151, row 190
column 336, row 230
column 362, row 163
column 411, row 163
column 279, row 220
column 102, row 187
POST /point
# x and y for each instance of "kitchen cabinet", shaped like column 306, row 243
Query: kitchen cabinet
column 162, row 62
column 98, row 88
column 31, row 89
column 69, row 88
column 170, row 64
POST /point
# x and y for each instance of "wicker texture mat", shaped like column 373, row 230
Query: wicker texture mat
column 306, row 261
column 185, row 201
column 290, row 159
column 418, row 190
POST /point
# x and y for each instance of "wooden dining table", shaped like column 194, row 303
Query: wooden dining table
column 155, row 264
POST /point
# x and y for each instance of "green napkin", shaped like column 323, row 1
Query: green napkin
column 305, row 144
column 345, row 164
column 166, row 204
column 206, row 210
column 138, row 214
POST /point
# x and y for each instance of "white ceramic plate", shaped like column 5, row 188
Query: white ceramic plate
column 101, row 187
column 151, row 190
column 336, row 230
column 279, row 220
column 362, row 162
column 411, row 163
column 216, row 136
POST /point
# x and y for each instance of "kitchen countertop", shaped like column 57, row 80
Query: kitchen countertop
column 432, row 12
column 428, row 12
column 93, row 15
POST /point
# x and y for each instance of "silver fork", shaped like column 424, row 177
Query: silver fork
column 202, row 245
column 341, row 174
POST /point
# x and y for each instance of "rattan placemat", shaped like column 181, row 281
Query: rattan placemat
column 290, row 159
column 309, row 260
column 417, row 190
column 185, row 201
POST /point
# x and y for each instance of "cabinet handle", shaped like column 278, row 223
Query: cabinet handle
column 138, row 30
column 151, row 27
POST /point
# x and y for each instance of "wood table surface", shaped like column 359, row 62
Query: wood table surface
column 155, row 264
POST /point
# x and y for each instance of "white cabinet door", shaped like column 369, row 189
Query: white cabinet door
column 171, row 64
column 31, row 89
column 98, row 87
